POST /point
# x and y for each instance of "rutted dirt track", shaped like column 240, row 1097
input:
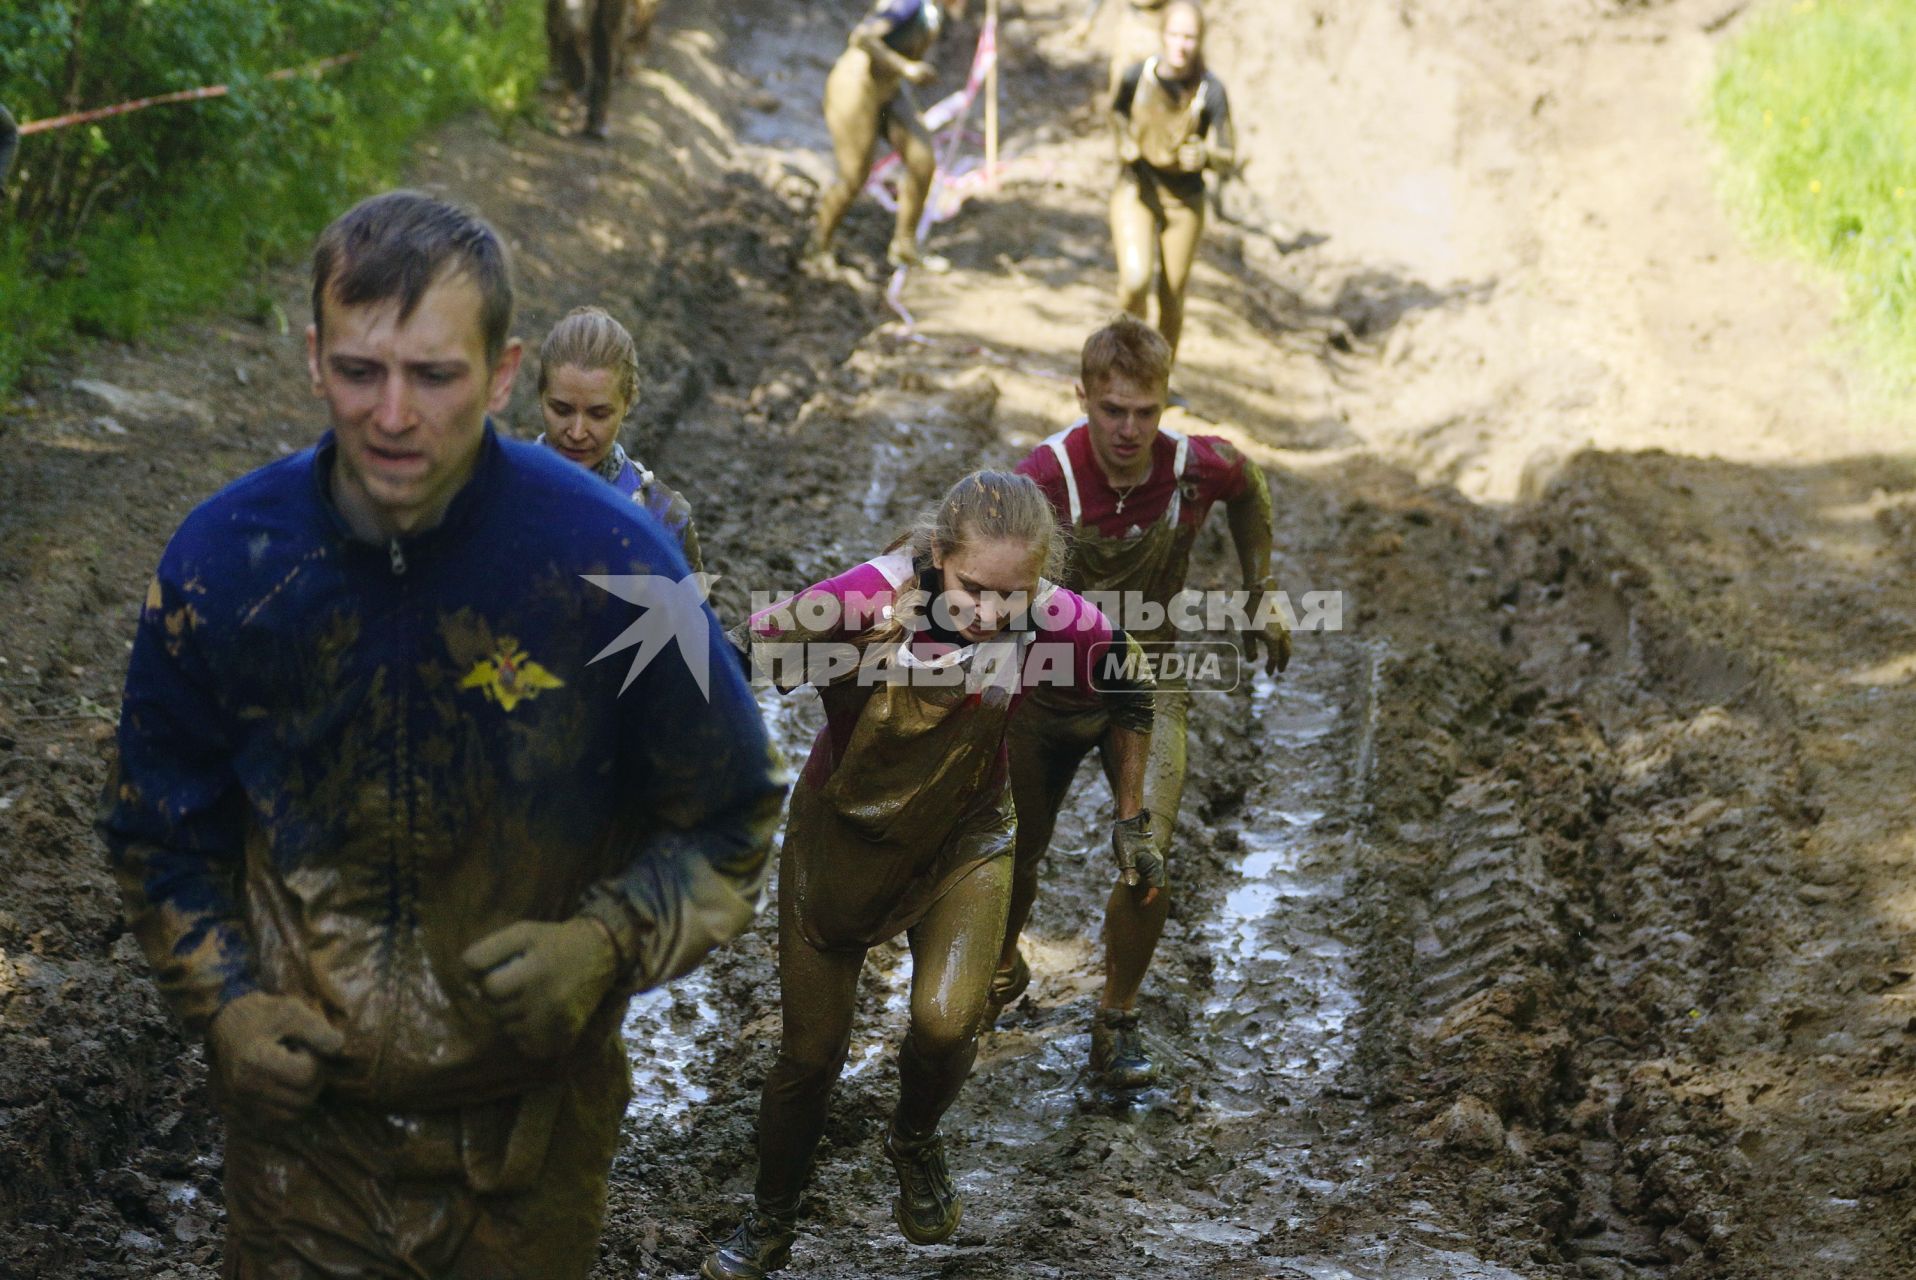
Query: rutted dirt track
column 1556, row 918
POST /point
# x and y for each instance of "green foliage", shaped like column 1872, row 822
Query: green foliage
column 123, row 224
column 1815, row 105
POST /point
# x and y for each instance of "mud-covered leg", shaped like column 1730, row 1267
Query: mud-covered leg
column 953, row 951
column 851, row 113
column 608, row 50
column 906, row 132
column 1044, row 760
column 1134, row 238
column 818, row 992
column 1183, row 226
column 562, row 49
column 1132, row 928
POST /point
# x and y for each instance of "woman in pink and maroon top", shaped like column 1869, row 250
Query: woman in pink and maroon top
column 902, row 819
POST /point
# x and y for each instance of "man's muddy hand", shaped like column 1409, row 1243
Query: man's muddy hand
column 544, row 981
column 1275, row 638
column 1140, row 864
column 269, row 1052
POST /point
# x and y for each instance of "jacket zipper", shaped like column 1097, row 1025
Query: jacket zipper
column 397, row 555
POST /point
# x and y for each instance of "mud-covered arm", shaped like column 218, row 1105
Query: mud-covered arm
column 870, row 34
column 1127, row 750
column 1123, row 137
column 174, row 817
column 1219, row 134
column 1249, row 514
column 689, row 544
column 710, row 790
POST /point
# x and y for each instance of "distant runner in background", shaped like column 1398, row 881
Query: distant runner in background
column 869, row 93
column 588, row 382
column 588, row 41
column 1172, row 123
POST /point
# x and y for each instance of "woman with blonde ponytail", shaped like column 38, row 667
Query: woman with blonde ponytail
column 588, row 382
column 902, row 819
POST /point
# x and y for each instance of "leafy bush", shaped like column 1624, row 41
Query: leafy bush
column 124, row 223
column 1815, row 104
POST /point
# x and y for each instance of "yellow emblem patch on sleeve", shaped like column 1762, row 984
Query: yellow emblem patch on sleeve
column 509, row 676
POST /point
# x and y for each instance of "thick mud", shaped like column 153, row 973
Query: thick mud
column 1553, row 918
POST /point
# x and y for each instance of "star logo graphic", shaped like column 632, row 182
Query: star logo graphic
column 674, row 610
column 509, row 676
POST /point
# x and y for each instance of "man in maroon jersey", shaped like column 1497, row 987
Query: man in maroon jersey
column 1133, row 495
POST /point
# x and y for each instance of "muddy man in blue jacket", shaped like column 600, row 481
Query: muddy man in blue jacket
column 391, row 836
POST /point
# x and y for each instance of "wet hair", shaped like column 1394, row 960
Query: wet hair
column 589, row 338
column 1172, row 6
column 1164, row 18
column 989, row 506
column 398, row 245
column 1127, row 348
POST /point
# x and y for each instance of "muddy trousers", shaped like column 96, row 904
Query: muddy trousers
column 953, row 950
column 1155, row 228
column 856, row 112
column 1046, row 749
column 354, row 1191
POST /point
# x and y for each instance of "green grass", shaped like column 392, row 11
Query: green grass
column 209, row 198
column 1815, row 106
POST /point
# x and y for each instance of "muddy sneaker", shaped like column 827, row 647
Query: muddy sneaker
column 761, row 1244
column 909, row 256
column 927, row 1207
column 1006, row 986
column 1117, row 1051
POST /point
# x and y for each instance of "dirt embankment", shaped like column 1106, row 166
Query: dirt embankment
column 1552, row 919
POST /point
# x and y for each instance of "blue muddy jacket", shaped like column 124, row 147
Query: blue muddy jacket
column 341, row 764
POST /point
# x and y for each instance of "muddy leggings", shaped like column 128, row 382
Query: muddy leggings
column 857, row 108
column 953, row 950
column 1046, row 749
column 1155, row 229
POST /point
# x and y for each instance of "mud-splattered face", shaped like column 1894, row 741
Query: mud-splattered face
column 583, row 410
column 987, row 584
column 1123, row 417
column 1183, row 37
column 408, row 401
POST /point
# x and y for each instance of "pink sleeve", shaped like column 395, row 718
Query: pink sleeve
column 846, row 605
column 1219, row 467
column 1069, row 618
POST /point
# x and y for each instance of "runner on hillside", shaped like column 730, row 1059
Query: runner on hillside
column 1132, row 496
column 869, row 92
column 902, row 821
column 588, row 381
column 1172, row 123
